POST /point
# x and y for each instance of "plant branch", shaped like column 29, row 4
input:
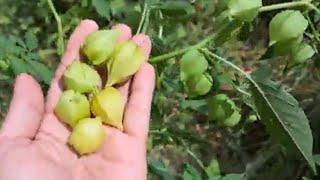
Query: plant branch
column 146, row 22
column 285, row 5
column 202, row 43
column 143, row 16
column 199, row 45
column 60, row 42
column 290, row 5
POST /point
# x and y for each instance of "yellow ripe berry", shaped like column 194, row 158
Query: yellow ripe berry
column 87, row 136
column 109, row 105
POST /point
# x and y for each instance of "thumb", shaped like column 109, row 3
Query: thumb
column 25, row 111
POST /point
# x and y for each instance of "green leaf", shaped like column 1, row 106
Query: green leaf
column 300, row 54
column 193, row 104
column 287, row 25
column 284, row 119
column 233, row 177
column 213, row 169
column 228, row 33
column 41, row 71
column 19, row 66
column 190, row 173
column 244, row 10
column 31, row 40
column 102, row 7
column 158, row 168
column 176, row 9
column 316, row 159
column 192, row 63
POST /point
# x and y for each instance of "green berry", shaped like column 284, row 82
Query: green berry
column 287, row 25
column 192, row 63
column 99, row 45
column 81, row 78
column 87, row 136
column 72, row 107
column 198, row 85
column 244, row 10
column 126, row 61
column 109, row 105
column 223, row 110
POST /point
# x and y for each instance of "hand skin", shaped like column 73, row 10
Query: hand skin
column 33, row 142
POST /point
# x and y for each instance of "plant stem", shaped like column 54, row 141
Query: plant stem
column 199, row 45
column 314, row 30
column 285, row 5
column 161, row 25
column 193, row 155
column 146, row 22
column 60, row 42
column 143, row 16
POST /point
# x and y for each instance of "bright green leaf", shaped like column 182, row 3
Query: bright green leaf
column 19, row 66
column 213, row 169
column 287, row 25
column 233, row 177
column 190, row 173
column 41, row 71
column 244, row 10
column 31, row 40
column 158, row 168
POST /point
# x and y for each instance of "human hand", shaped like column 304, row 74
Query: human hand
column 33, row 142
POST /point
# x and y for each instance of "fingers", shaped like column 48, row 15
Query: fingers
column 72, row 52
column 144, row 42
column 125, row 32
column 26, row 109
column 137, row 114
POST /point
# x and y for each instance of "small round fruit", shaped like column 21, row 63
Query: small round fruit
column 72, row 107
column 199, row 85
column 87, row 136
column 232, row 120
column 125, row 61
column 109, row 105
column 81, row 78
column 99, row 45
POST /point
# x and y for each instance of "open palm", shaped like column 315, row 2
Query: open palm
column 33, row 142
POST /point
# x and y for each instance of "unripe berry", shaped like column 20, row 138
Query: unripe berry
column 81, row 78
column 109, row 105
column 99, row 45
column 87, row 136
column 72, row 107
column 126, row 60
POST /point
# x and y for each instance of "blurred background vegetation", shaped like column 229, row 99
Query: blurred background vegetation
column 183, row 142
